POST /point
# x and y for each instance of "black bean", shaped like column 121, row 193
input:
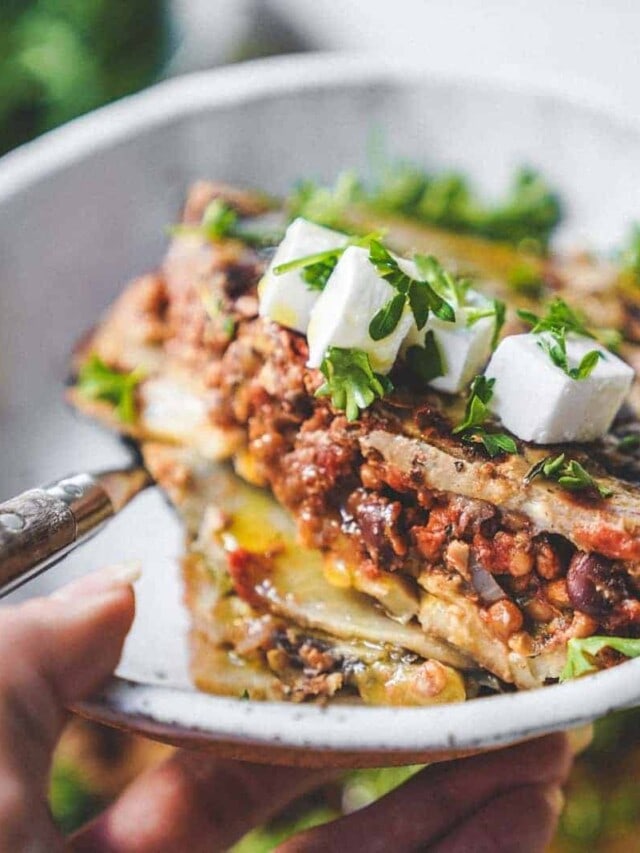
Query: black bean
column 595, row 587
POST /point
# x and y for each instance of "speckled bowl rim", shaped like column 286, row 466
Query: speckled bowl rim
column 197, row 718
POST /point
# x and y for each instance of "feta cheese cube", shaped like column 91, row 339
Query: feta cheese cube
column 464, row 349
column 538, row 402
column 341, row 316
column 287, row 299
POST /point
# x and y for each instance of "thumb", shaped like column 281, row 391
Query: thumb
column 56, row 651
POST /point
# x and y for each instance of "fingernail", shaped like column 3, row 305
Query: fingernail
column 555, row 798
column 103, row 580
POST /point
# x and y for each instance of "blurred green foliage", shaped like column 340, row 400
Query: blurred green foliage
column 71, row 798
column 60, row 58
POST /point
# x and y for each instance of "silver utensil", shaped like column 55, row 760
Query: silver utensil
column 40, row 526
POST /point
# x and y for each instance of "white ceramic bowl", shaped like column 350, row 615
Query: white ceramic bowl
column 85, row 207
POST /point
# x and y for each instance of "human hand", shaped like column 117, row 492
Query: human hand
column 58, row 650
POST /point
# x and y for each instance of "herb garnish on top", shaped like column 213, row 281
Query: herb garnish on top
column 98, row 381
column 568, row 473
column 553, row 328
column 472, row 429
column 350, row 381
column 420, row 294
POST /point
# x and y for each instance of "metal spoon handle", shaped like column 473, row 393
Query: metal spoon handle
column 40, row 526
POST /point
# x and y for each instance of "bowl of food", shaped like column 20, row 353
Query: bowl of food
column 389, row 398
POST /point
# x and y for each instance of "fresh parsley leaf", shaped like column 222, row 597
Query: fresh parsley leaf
column 530, row 211
column 350, row 381
column 472, row 429
column 552, row 330
column 524, row 278
column 98, row 381
column 421, row 295
column 324, row 205
column 387, row 318
column 559, row 319
column 218, row 219
column 630, row 255
column 629, row 442
column 229, row 326
column 425, row 362
column 568, row 473
column 581, row 653
column 496, row 442
column 498, row 310
column 316, row 276
column 452, row 288
column 327, row 256
column 316, row 269
column 476, row 410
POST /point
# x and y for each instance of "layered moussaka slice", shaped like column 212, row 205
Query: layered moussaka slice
column 360, row 524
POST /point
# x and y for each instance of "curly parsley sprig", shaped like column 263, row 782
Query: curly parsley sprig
column 98, row 381
column 553, row 328
column 581, row 653
column 420, row 294
column 567, row 473
column 350, row 381
column 472, row 429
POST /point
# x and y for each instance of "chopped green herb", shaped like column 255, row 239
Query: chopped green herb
column 494, row 442
column 324, row 205
column 630, row 255
column 98, row 381
column 317, row 268
column 559, row 320
column 350, row 381
column 452, row 288
column 629, row 442
column 568, row 473
column 425, row 362
column 477, row 410
column 530, row 211
column 527, row 215
column 421, row 296
column 220, row 220
column 553, row 328
column 581, row 653
column 498, row 310
column 388, row 317
column 472, row 429
column 316, row 276
column 229, row 326
column 526, row 280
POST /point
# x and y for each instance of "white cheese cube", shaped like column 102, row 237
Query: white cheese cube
column 464, row 349
column 538, row 402
column 341, row 316
column 287, row 299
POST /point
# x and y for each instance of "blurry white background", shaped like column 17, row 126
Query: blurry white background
column 592, row 40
